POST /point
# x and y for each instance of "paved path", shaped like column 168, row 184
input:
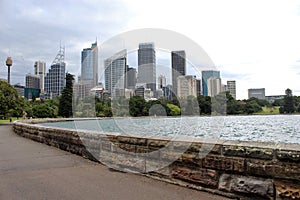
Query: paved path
column 30, row 170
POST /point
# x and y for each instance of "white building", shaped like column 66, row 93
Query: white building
column 231, row 87
column 40, row 70
column 214, row 86
column 186, row 86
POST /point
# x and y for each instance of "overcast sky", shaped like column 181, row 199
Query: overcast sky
column 255, row 42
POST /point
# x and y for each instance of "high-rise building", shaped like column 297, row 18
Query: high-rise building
column 178, row 67
column 205, row 76
column 186, row 86
column 115, row 67
column 214, row 86
column 258, row 93
column 231, row 87
column 199, row 86
column 147, row 65
column 89, row 64
column 40, row 70
column 130, row 77
column 55, row 78
column 32, row 81
column 162, row 81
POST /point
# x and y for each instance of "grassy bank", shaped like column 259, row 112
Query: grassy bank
column 268, row 111
column 6, row 121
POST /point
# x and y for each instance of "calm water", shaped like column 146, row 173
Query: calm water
column 270, row 128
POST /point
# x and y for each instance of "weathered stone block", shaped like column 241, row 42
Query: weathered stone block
column 157, row 143
column 274, row 169
column 132, row 140
column 287, row 190
column 224, row 163
column 260, row 153
column 246, row 185
column 201, row 176
column 234, row 150
column 291, row 156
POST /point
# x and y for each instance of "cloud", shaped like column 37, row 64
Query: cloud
column 35, row 29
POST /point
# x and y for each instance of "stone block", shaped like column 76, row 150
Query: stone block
column 224, row 163
column 234, row 150
column 273, row 169
column 246, row 185
column 200, row 176
column 287, row 190
column 259, row 153
column 285, row 155
column 157, row 143
column 132, row 140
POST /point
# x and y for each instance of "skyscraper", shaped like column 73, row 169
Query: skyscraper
column 40, row 70
column 214, row 86
column 130, row 77
column 33, row 81
column 115, row 67
column 178, row 67
column 162, row 82
column 147, row 65
column 187, row 86
column 55, row 78
column 205, row 76
column 231, row 87
column 89, row 64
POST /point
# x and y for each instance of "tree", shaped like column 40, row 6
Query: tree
column 288, row 104
column 137, row 106
column 173, row 110
column 10, row 102
column 65, row 101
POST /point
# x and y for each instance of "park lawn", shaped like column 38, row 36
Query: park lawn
column 269, row 111
column 5, row 121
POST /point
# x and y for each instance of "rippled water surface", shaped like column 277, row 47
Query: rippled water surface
column 270, row 128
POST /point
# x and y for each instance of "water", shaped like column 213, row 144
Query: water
column 268, row 128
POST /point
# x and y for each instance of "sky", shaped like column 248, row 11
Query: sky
column 255, row 42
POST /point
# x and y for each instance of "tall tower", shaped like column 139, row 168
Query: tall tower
column 8, row 64
column 115, row 78
column 89, row 64
column 55, row 78
column 147, row 65
column 205, row 76
column 162, row 82
column 40, row 70
column 178, row 67
column 231, row 86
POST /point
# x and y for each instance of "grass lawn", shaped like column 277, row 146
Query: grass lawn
column 5, row 121
column 269, row 111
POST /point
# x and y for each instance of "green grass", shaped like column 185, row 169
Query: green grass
column 269, row 111
column 5, row 121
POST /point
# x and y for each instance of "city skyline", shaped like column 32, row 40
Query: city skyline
column 255, row 50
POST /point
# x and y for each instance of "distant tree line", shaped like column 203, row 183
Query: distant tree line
column 11, row 105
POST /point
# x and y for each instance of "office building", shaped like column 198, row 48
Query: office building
column 162, row 81
column 40, row 70
column 214, row 86
column 20, row 89
column 272, row 98
column 178, row 59
column 205, row 76
column 55, row 78
column 231, row 87
column 199, row 87
column 147, row 65
column 32, row 81
column 186, row 86
column 258, row 93
column 115, row 77
column 89, row 64
column 131, row 77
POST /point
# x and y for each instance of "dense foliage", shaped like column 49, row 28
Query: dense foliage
column 65, row 102
column 11, row 105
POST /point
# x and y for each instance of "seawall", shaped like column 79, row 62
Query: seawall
column 251, row 170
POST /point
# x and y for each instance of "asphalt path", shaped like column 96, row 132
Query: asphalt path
column 31, row 170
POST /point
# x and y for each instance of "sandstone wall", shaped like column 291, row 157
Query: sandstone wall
column 236, row 169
